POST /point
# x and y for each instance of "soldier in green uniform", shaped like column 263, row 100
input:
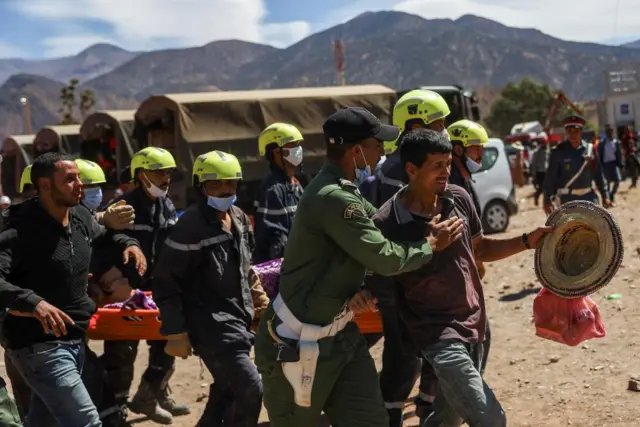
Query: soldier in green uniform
column 310, row 353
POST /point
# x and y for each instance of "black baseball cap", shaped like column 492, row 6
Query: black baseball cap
column 353, row 124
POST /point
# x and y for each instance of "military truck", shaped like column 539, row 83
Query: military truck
column 191, row 124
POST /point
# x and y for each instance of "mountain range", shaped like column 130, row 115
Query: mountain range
column 391, row 48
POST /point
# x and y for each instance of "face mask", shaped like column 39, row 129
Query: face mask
column 295, row 156
column 361, row 174
column 156, row 192
column 473, row 166
column 221, row 204
column 93, row 197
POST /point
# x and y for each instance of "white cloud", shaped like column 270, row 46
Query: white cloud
column 9, row 51
column 575, row 20
column 156, row 24
column 152, row 24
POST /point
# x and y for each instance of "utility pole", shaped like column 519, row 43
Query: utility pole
column 338, row 54
column 27, row 115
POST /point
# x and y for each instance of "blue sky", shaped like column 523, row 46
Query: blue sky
column 51, row 28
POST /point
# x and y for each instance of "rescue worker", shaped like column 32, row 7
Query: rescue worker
column 468, row 140
column 155, row 214
column 310, row 353
column 416, row 109
column 117, row 216
column 573, row 168
column 27, row 190
column 201, row 286
column 280, row 192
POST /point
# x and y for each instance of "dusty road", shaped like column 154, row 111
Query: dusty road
column 540, row 383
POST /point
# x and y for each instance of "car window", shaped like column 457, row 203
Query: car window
column 489, row 158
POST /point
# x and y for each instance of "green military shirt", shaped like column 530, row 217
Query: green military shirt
column 332, row 243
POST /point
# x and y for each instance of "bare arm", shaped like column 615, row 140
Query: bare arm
column 487, row 249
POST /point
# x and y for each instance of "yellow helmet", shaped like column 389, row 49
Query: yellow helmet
column 468, row 133
column 424, row 105
column 216, row 165
column 280, row 134
column 25, row 179
column 90, row 173
column 152, row 158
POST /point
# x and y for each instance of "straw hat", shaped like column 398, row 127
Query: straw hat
column 582, row 253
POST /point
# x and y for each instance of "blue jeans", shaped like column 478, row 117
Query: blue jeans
column 53, row 371
column 462, row 393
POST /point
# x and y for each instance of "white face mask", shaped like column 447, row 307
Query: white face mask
column 295, row 156
column 473, row 166
column 154, row 191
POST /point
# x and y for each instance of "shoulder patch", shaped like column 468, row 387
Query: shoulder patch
column 345, row 183
column 354, row 210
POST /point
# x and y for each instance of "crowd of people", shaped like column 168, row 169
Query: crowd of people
column 618, row 159
column 401, row 235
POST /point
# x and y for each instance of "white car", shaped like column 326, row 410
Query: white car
column 495, row 189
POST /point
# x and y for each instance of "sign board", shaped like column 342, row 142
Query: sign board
column 624, row 109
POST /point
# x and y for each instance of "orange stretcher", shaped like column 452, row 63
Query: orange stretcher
column 114, row 324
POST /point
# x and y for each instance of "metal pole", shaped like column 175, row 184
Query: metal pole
column 27, row 115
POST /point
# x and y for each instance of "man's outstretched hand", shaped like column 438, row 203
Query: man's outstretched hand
column 444, row 233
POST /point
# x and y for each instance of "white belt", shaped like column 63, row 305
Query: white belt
column 301, row 374
column 574, row 191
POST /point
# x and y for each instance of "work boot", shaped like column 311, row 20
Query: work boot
column 170, row 405
column 145, row 402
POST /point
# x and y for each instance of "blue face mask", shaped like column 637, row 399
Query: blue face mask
column 361, row 174
column 221, row 204
column 93, row 197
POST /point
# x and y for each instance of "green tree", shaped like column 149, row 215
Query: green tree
column 70, row 101
column 526, row 101
column 87, row 101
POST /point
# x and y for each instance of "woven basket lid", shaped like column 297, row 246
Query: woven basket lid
column 582, row 253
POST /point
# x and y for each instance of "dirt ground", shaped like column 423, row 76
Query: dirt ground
column 540, row 383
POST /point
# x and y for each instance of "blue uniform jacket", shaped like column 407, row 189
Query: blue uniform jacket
column 564, row 163
column 276, row 206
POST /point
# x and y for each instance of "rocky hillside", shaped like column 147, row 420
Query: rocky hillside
column 391, row 48
column 91, row 62
column 43, row 94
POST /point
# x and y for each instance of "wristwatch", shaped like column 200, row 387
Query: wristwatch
column 525, row 240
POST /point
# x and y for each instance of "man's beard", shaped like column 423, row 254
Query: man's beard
column 61, row 200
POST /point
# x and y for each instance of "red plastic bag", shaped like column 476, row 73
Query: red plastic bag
column 567, row 321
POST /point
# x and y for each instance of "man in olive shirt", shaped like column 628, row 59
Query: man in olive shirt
column 310, row 353
column 441, row 304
